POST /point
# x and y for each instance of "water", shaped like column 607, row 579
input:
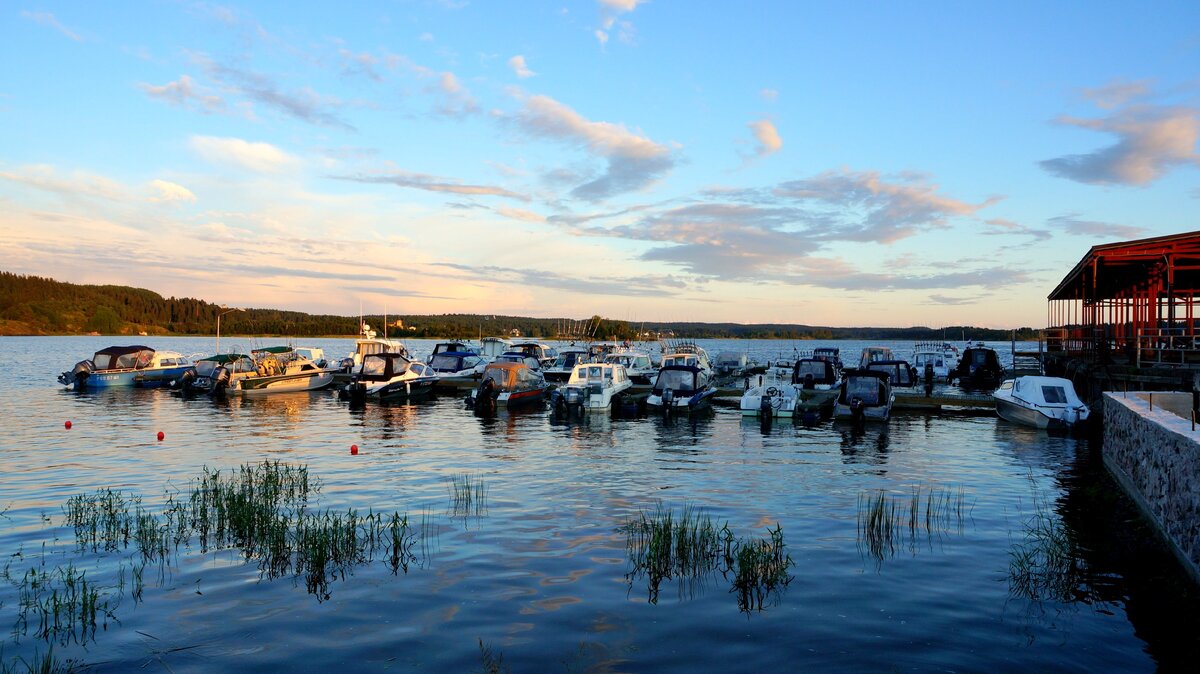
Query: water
column 541, row 576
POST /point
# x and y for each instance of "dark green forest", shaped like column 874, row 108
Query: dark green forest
column 32, row 305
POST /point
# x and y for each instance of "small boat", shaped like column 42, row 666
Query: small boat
column 139, row 366
column 213, row 374
column 772, row 397
column 1041, row 402
column 731, row 363
column 388, row 376
column 564, row 366
column 932, row 355
column 831, row 354
column 520, row 357
column 490, row 347
column 507, row 385
column 366, row 345
column 866, row 395
column 637, row 365
column 681, row 388
column 457, row 364
column 591, row 388
column 979, row 368
column 900, row 373
column 545, row 355
column 451, row 347
column 820, row 374
column 872, row 354
column 281, row 369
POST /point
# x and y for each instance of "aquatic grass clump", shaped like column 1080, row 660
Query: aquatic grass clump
column 1046, row 563
column 468, row 496
column 886, row 520
column 59, row 603
column 761, row 570
column 42, row 663
column 692, row 546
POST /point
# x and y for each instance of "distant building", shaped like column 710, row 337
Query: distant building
column 514, row 333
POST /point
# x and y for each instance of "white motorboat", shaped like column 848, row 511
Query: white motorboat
column 933, row 355
column 490, row 347
column 866, row 395
column 637, row 365
column 281, row 369
column 545, row 355
column 387, row 376
column 457, row 364
column 1041, row 402
column 771, row 397
column 367, row 344
column 591, row 388
column 564, row 366
column 874, row 353
column 681, row 388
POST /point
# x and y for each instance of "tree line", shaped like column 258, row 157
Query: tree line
column 34, row 305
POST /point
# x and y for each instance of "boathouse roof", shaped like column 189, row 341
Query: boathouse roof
column 1119, row 268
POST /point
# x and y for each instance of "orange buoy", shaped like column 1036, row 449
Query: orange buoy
column 67, row 425
column 354, row 449
column 161, row 435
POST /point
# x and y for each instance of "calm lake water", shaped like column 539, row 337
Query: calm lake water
column 537, row 569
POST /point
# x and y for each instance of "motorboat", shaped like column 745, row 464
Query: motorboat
column 564, row 366
column 490, row 347
column 224, row 368
column 388, row 376
column 138, row 366
column 457, row 364
column 771, row 397
column 681, row 387
column 1041, row 402
column 688, row 354
column 933, row 356
column 873, row 353
column 819, row 374
column 731, row 363
column 979, row 368
column 367, row 344
column 592, row 388
column 545, row 355
column 900, row 372
column 313, row 353
column 866, row 395
column 831, row 354
column 280, row 369
column 637, row 365
column 451, row 347
column 520, row 357
column 507, row 385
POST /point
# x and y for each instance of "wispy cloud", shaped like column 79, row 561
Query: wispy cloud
column 184, row 93
column 456, row 101
column 421, row 181
column 169, row 192
column 303, row 104
column 1001, row 226
column 48, row 19
column 255, row 156
column 1071, row 224
column 621, row 286
column 521, row 214
column 1118, row 92
column 767, row 137
column 519, row 68
column 76, row 184
column 610, row 11
column 1151, row 140
column 769, row 95
column 634, row 161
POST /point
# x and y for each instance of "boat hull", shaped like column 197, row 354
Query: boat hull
column 694, row 403
column 1014, row 411
column 283, row 383
column 869, row 413
column 147, row 378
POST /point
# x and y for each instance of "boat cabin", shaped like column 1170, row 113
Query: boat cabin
column 872, row 354
column 680, row 378
column 452, row 347
column 123, row 358
column 829, row 353
column 631, row 361
column 1044, row 391
column 731, row 361
column 455, row 361
column 602, row 375
column 490, row 347
column 235, row 363
column 569, row 357
column 899, row 371
column 872, row 387
column 510, row 377
column 813, row 372
column 543, row 353
column 387, row 366
column 519, row 357
column 681, row 360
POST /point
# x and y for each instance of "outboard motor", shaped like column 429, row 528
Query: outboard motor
column 858, row 410
column 928, row 379
column 809, row 382
column 355, row 391
column 485, row 396
column 765, row 408
column 346, row 364
column 185, row 381
column 220, row 381
column 668, row 400
column 78, row 374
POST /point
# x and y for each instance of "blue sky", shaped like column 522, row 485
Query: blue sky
column 864, row 164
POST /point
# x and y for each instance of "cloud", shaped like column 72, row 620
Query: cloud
column 1001, row 226
column 456, row 100
column 601, row 37
column 1151, row 140
column 421, row 181
column 634, row 161
column 258, row 157
column 874, row 209
column 623, row 286
column 517, row 63
column 610, row 10
column 1117, row 93
column 769, row 95
column 47, row 19
column 767, row 136
column 360, row 64
column 1071, row 224
column 952, row 301
column 521, row 214
column 184, row 93
column 78, row 184
column 303, row 104
column 169, row 192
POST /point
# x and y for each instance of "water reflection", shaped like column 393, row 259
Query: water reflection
column 864, row 443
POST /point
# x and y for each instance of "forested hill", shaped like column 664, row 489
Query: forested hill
column 32, row 305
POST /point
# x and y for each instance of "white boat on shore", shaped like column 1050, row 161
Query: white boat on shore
column 1041, row 402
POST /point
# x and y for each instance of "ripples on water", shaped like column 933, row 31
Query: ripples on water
column 539, row 572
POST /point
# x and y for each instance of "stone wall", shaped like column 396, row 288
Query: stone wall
column 1155, row 455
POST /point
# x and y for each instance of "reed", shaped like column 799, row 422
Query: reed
column 59, row 603
column 1045, row 563
column 761, row 570
column 468, row 496
column 42, row 663
column 887, row 521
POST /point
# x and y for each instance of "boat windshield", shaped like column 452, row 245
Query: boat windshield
column 374, row 366
column 568, row 360
column 863, row 388
column 676, row 380
column 445, row 363
column 1054, row 395
column 680, row 360
column 814, row 367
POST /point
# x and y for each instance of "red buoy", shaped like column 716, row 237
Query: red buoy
column 354, row 449
column 67, row 425
column 161, row 435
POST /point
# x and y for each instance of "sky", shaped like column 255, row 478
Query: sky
column 841, row 164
